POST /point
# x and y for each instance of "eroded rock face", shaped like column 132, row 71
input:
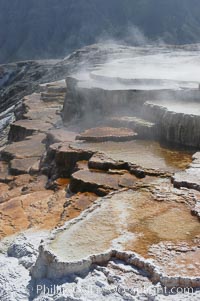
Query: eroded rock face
column 37, row 109
column 25, row 203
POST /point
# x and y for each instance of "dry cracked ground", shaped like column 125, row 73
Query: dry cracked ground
column 118, row 216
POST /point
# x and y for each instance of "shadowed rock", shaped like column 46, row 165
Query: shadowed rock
column 61, row 159
column 24, row 128
column 103, row 162
column 5, row 177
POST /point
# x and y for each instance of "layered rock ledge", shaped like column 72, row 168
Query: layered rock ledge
column 103, row 134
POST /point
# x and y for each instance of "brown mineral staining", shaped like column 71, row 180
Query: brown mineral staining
column 76, row 204
column 34, row 207
column 24, row 201
column 22, row 211
column 63, row 182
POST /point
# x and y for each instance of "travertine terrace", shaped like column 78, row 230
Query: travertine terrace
column 104, row 167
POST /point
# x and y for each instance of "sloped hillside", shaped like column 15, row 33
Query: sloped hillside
column 52, row 28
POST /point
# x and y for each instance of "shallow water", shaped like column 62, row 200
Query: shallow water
column 148, row 154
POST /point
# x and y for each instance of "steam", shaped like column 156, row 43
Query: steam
column 146, row 71
column 135, row 37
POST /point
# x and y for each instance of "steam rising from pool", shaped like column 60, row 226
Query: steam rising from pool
column 145, row 68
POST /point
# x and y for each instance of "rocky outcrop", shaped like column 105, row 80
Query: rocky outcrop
column 27, row 137
column 6, row 118
column 25, row 203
